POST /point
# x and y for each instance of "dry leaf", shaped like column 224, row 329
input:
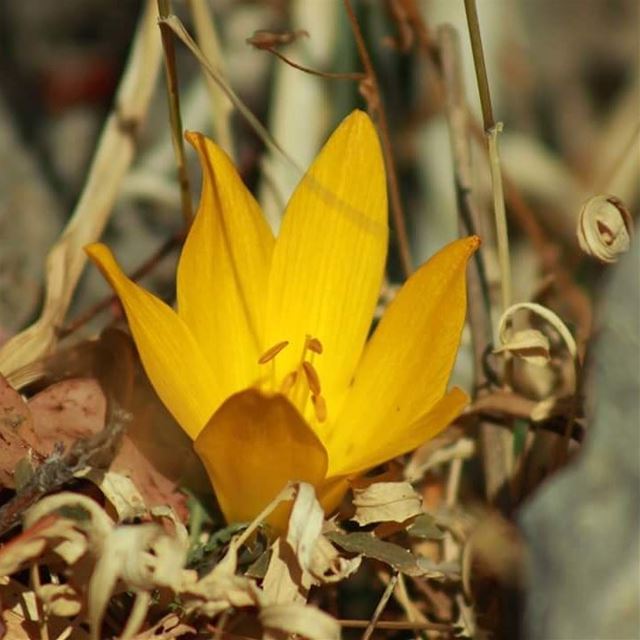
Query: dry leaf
column 303, row 620
column 328, row 566
column 119, row 491
column 15, row 417
column 60, row 599
column 305, row 524
column 605, row 228
column 529, row 344
column 31, row 543
column 144, row 558
column 64, row 413
column 386, row 502
column 285, row 581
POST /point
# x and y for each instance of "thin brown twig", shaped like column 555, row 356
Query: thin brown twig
column 164, row 10
column 371, row 91
column 391, row 585
column 395, row 626
column 479, row 64
column 144, row 269
column 314, row 72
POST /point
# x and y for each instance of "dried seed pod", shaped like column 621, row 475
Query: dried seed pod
column 605, row 228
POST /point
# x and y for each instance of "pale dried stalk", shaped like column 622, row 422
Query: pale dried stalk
column 221, row 107
column 114, row 154
column 495, row 442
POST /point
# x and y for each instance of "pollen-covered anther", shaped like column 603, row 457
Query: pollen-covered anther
column 313, row 380
column 313, row 344
column 271, row 353
column 288, row 382
column 320, row 407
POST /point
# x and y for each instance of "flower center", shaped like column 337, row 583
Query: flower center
column 303, row 383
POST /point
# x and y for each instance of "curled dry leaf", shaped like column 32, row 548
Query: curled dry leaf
column 143, row 557
column 31, row 543
column 82, row 513
column 328, row 566
column 529, row 344
column 386, row 502
column 59, row 599
column 605, row 228
column 554, row 321
column 119, row 491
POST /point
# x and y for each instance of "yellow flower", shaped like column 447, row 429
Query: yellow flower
column 264, row 364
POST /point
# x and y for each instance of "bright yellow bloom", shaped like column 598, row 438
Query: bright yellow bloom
column 264, row 364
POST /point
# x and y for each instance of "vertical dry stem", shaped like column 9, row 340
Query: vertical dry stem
column 173, row 96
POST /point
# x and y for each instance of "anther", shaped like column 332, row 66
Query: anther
column 320, row 407
column 313, row 379
column 271, row 353
column 288, row 382
column 313, row 344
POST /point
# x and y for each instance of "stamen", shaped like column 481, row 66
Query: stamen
column 271, row 353
column 313, row 344
column 320, row 407
column 288, row 382
column 312, row 378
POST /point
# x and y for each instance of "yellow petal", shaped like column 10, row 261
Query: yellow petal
column 329, row 257
column 407, row 363
column 223, row 270
column 363, row 455
column 177, row 369
column 331, row 492
column 252, row 446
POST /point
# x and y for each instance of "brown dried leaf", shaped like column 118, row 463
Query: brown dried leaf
column 269, row 39
column 386, row 502
column 64, row 413
column 14, row 417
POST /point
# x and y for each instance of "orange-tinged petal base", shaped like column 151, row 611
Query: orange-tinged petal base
column 252, row 447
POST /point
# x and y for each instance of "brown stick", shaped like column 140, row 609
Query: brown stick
column 371, row 91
